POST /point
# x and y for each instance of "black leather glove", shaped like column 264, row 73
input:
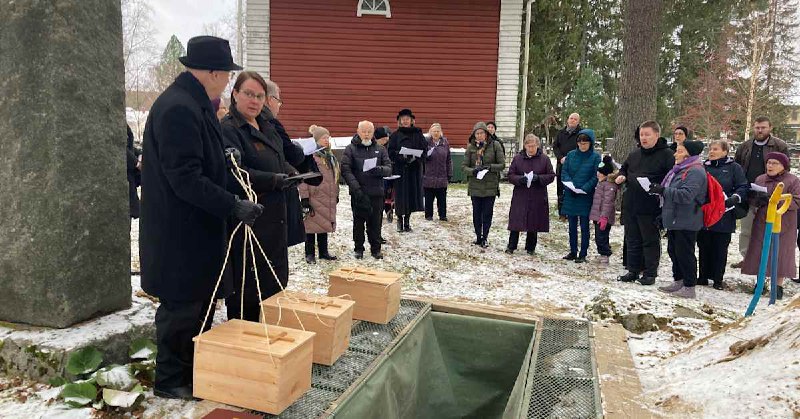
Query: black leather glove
column 247, row 211
column 476, row 169
column 305, row 204
column 232, row 154
column 761, row 198
column 656, row 188
column 733, row 200
column 282, row 181
column 376, row 171
column 523, row 182
column 534, row 178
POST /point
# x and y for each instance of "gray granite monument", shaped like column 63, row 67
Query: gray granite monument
column 64, row 222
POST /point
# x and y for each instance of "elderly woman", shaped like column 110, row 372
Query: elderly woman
column 483, row 163
column 408, row 195
column 438, row 171
column 580, row 169
column 319, row 202
column 684, row 190
column 713, row 241
column 680, row 135
column 530, row 173
column 777, row 171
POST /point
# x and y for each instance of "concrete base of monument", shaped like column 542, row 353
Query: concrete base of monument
column 40, row 353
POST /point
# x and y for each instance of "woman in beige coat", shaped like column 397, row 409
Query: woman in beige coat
column 319, row 202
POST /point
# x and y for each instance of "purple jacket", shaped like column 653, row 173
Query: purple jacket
column 529, row 208
column 604, row 197
column 438, row 167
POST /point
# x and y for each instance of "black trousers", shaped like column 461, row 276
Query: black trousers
column 373, row 226
column 680, row 247
column 713, row 248
column 482, row 212
column 643, row 238
column 177, row 322
column 322, row 242
column 440, row 195
column 601, row 239
column 531, row 239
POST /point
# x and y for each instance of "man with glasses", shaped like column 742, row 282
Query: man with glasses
column 752, row 156
column 184, row 208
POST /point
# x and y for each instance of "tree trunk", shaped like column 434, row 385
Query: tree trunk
column 639, row 81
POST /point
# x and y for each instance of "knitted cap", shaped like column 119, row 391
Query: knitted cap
column 480, row 125
column 318, row 132
column 405, row 112
column 685, row 131
column 694, row 148
column 776, row 155
column 381, row 132
column 606, row 166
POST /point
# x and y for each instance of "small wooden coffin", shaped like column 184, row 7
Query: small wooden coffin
column 376, row 293
column 232, row 365
column 330, row 318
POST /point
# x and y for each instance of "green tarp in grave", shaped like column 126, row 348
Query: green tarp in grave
column 448, row 366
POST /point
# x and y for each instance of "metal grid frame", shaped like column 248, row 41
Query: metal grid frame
column 562, row 379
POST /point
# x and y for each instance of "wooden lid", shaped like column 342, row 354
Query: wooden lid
column 324, row 306
column 249, row 336
column 366, row 275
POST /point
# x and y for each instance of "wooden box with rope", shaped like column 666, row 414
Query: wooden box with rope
column 376, row 293
column 253, row 365
column 330, row 318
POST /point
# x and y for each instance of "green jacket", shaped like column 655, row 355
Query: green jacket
column 494, row 158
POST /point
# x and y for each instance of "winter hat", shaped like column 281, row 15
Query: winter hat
column 491, row 123
column 776, row 155
column 381, row 132
column 606, row 166
column 318, row 132
column 405, row 112
column 480, row 125
column 685, row 131
column 694, row 148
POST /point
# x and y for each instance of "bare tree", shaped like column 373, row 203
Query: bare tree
column 138, row 52
column 639, row 81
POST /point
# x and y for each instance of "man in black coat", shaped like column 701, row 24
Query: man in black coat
column 134, row 175
column 566, row 141
column 183, row 232
column 641, row 210
column 408, row 192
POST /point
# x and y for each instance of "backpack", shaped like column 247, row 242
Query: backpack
column 714, row 208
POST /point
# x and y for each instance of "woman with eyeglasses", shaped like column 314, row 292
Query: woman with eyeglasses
column 247, row 133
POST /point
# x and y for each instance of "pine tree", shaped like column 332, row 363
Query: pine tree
column 169, row 66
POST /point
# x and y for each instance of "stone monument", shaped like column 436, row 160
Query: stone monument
column 64, row 222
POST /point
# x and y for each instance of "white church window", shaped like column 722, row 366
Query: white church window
column 374, row 7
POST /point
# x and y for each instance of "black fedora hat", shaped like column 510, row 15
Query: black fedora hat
column 209, row 53
column 405, row 112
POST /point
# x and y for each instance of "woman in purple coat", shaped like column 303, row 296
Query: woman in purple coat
column 438, row 171
column 530, row 173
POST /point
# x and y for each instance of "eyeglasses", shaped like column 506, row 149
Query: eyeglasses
column 773, row 163
column 277, row 98
column 253, row 95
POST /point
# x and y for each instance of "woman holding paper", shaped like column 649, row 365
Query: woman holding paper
column 483, row 163
column 579, row 176
column 319, row 202
column 438, row 171
column 407, row 146
column 777, row 171
column 713, row 241
column 530, row 173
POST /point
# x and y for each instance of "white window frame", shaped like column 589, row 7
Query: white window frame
column 362, row 10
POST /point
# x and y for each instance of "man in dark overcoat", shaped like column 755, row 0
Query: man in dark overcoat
column 184, row 208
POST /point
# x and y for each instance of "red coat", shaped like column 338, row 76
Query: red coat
column 787, row 267
column 529, row 208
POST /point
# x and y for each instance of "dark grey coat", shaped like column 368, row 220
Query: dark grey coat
column 683, row 198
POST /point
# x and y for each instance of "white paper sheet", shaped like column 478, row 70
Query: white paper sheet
column 645, row 182
column 758, row 188
column 392, row 177
column 430, row 151
column 370, row 164
column 529, row 176
column 481, row 174
column 571, row 186
column 410, row 152
column 309, row 145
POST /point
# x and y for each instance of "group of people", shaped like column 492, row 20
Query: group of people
column 206, row 171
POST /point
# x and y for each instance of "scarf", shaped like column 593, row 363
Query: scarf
column 690, row 161
column 329, row 160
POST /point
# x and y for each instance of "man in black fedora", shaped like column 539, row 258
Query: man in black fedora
column 185, row 207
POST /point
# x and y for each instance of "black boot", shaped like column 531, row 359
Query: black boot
column 718, row 285
column 310, row 249
column 407, row 223
column 779, row 293
column 399, row 223
column 322, row 241
column 628, row 277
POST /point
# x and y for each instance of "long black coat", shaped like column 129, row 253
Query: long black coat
column 653, row 163
column 565, row 142
column 182, row 230
column 134, row 176
column 408, row 188
column 263, row 157
column 733, row 181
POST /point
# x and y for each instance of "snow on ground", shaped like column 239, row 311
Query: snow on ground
column 677, row 363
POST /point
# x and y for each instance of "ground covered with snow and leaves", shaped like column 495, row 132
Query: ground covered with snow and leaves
column 695, row 358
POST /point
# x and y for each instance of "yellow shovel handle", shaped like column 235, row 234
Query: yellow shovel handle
column 772, row 207
column 783, row 206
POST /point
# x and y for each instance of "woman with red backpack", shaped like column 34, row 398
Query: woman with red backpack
column 683, row 192
column 713, row 241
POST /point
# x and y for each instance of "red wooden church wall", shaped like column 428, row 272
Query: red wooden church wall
column 437, row 57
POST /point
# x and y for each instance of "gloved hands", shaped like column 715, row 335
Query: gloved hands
column 375, row 171
column 305, row 204
column 534, row 178
column 760, row 198
column 656, row 188
column 479, row 168
column 232, row 154
column 603, row 223
column 282, row 181
column 247, row 211
column 731, row 201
